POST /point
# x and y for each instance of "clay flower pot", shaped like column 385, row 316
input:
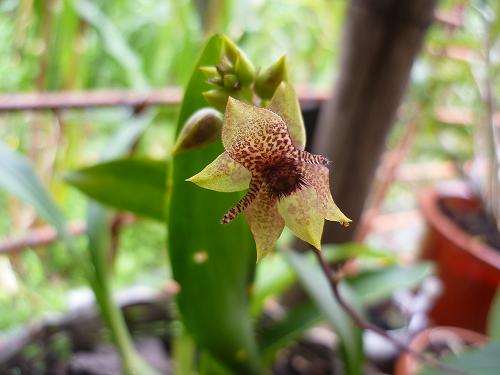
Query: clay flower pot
column 468, row 268
column 436, row 337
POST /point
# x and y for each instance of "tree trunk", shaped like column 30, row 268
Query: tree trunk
column 380, row 42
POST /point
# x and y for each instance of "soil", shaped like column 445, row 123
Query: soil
column 474, row 220
column 306, row 358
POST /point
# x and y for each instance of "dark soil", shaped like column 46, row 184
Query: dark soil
column 473, row 219
column 306, row 358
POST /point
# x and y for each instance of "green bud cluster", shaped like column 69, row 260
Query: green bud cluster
column 236, row 76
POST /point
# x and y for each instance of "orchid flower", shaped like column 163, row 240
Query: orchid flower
column 264, row 153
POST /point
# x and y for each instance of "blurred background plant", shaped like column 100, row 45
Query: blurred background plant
column 78, row 45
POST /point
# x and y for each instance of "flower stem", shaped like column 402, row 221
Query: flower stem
column 364, row 324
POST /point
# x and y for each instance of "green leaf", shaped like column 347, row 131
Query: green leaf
column 318, row 288
column 135, row 185
column 213, row 264
column 114, row 42
column 373, row 286
column 273, row 277
column 18, row 177
column 482, row 361
column 278, row 335
column 494, row 317
column 99, row 240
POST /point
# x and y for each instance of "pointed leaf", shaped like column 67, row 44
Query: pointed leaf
column 18, row 177
column 212, row 263
column 135, row 185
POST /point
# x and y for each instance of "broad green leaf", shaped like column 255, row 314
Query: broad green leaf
column 213, row 263
column 18, row 177
column 318, row 288
column 135, row 185
column 494, row 317
column 482, row 361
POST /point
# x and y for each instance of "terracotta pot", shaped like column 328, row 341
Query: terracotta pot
column 468, row 268
column 408, row 365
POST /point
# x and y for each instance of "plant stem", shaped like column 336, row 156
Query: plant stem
column 132, row 363
column 363, row 324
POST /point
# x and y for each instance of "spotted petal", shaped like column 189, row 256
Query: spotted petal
column 265, row 221
column 286, row 104
column 223, row 174
column 253, row 136
column 317, row 176
column 303, row 216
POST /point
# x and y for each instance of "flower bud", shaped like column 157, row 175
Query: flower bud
column 216, row 81
column 230, row 82
column 216, row 98
column 230, row 49
column 268, row 80
column 224, row 67
column 243, row 67
column 209, row 71
column 203, row 127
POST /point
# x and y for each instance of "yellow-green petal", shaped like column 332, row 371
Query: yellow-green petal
column 317, row 176
column 286, row 104
column 265, row 222
column 223, row 174
column 302, row 215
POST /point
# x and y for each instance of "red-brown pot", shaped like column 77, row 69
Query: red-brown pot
column 468, row 268
column 408, row 365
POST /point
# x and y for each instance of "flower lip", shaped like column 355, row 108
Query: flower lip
column 283, row 178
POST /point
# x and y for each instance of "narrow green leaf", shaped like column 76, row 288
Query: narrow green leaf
column 273, row 277
column 278, row 335
column 318, row 288
column 128, row 134
column 18, row 177
column 494, row 317
column 135, row 185
column 99, row 238
column 373, row 286
column 213, row 263
column 114, row 42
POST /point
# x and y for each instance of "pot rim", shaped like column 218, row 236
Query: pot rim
column 429, row 198
column 407, row 364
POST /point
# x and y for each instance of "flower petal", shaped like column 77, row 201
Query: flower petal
column 286, row 104
column 303, row 216
column 253, row 135
column 317, row 177
column 223, row 174
column 265, row 221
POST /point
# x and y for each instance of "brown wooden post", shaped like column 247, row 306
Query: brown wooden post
column 381, row 39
